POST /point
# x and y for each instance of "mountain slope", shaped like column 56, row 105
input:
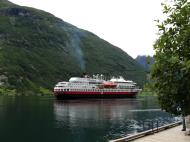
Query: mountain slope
column 37, row 50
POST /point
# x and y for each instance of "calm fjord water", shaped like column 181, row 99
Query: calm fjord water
column 43, row 119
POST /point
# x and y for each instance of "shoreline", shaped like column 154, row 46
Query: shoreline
column 157, row 135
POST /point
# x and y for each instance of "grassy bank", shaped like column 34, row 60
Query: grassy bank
column 5, row 91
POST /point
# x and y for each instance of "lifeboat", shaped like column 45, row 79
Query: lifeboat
column 109, row 85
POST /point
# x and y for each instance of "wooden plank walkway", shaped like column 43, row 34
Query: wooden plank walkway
column 170, row 135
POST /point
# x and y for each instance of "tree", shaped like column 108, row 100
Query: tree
column 171, row 71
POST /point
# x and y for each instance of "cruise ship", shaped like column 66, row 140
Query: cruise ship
column 96, row 87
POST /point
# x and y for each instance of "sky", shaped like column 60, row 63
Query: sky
column 127, row 24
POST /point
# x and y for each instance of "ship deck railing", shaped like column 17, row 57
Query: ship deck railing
column 99, row 90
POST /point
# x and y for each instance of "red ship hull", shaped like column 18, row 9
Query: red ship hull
column 78, row 94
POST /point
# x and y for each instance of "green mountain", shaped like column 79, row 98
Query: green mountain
column 145, row 61
column 37, row 50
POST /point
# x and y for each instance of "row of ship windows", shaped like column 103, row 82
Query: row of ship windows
column 92, row 90
column 84, row 87
column 80, row 86
column 85, row 83
column 78, row 83
column 75, row 84
column 124, row 87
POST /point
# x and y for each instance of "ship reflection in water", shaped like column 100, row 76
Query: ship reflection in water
column 100, row 120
